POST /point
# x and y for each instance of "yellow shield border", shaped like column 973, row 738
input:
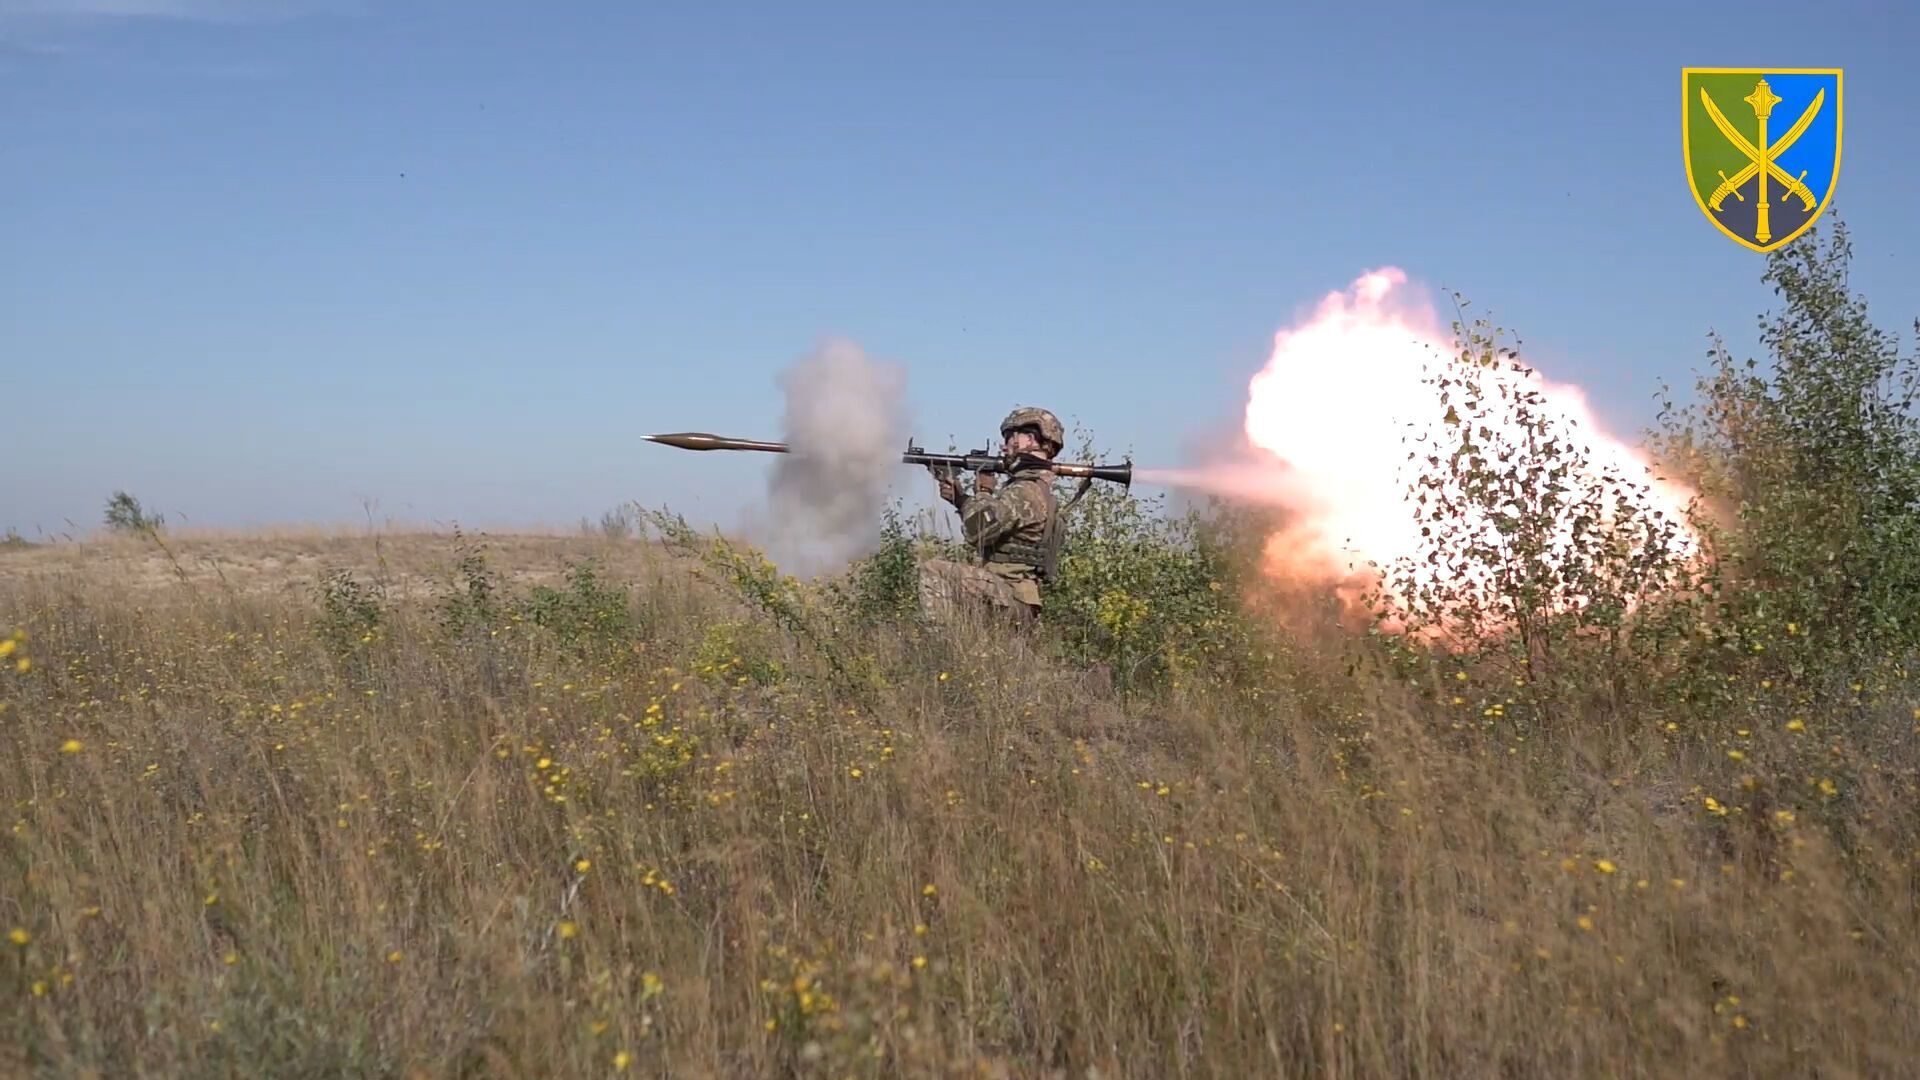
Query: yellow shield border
column 1839, row 132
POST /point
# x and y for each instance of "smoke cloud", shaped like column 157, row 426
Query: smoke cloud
column 846, row 423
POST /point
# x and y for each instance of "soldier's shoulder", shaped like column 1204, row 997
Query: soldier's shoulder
column 1031, row 477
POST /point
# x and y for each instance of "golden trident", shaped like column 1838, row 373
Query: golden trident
column 1760, row 156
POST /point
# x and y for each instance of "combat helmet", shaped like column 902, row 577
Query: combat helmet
column 1028, row 416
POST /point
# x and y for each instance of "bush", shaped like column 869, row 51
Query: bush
column 351, row 611
column 586, row 612
column 125, row 515
column 1139, row 588
column 732, row 649
column 618, row 523
column 1546, row 572
column 886, row 583
column 471, row 602
column 752, row 578
column 1812, row 470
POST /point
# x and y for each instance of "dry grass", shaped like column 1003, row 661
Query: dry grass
column 232, row 851
column 287, row 564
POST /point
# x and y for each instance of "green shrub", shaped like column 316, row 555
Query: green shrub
column 730, row 650
column 586, row 612
column 1812, row 469
column 885, row 584
column 351, row 611
column 791, row 605
column 471, row 602
column 125, row 515
column 1143, row 590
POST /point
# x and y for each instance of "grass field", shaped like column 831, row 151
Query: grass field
column 643, row 824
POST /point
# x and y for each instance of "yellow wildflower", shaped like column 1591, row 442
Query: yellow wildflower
column 72, row 746
column 19, row 936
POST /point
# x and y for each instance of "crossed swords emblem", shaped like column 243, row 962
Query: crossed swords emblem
column 1761, row 155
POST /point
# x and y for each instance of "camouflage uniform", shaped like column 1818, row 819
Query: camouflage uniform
column 1010, row 530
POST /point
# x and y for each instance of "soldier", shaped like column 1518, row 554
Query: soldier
column 1013, row 528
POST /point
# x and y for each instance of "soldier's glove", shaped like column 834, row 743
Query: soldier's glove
column 948, row 483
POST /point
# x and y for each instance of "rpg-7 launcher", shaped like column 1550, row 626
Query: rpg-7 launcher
column 945, row 464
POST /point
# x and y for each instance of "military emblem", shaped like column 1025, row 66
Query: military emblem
column 1761, row 188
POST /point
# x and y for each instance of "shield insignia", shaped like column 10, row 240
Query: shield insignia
column 1762, row 147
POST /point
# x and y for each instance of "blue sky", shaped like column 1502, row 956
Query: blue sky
column 266, row 261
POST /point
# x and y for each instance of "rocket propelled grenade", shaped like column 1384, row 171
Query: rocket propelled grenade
column 700, row 440
column 977, row 461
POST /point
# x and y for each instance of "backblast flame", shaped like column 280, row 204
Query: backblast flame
column 1347, row 396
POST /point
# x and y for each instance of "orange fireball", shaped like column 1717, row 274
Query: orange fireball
column 1346, row 397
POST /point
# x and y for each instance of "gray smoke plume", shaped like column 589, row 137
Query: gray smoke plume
column 846, row 423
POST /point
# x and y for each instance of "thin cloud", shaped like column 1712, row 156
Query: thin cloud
column 213, row 11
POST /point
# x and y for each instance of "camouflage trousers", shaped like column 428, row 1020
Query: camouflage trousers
column 950, row 590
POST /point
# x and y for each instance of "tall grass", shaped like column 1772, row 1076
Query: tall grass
column 690, row 848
